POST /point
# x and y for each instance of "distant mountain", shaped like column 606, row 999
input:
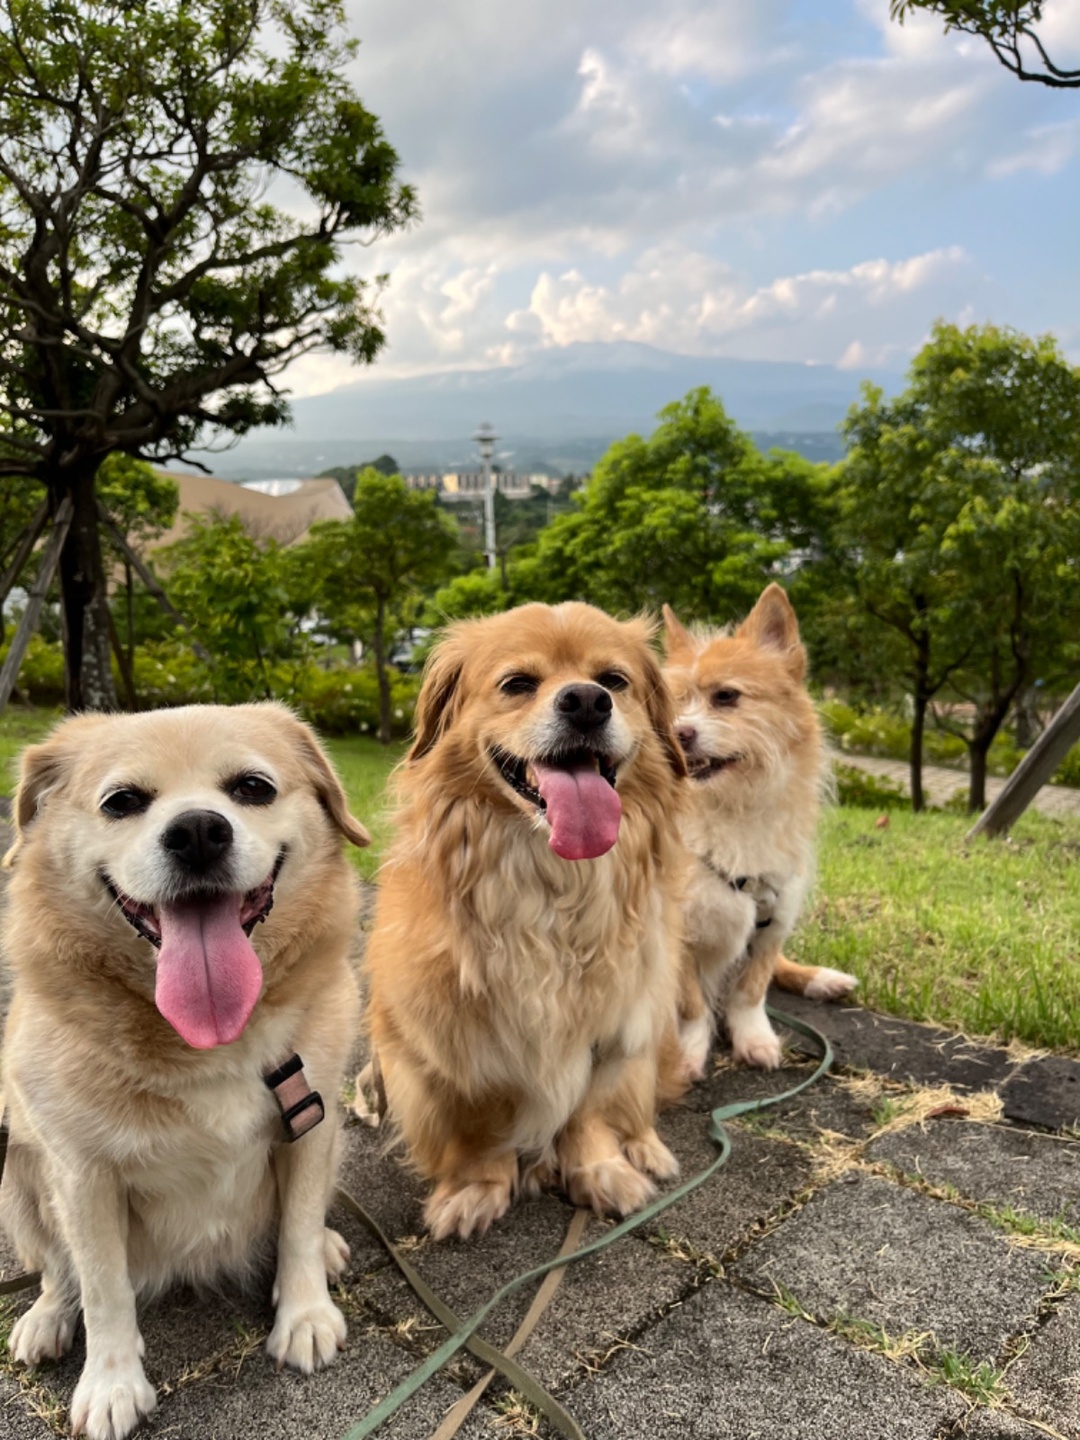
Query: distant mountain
column 561, row 409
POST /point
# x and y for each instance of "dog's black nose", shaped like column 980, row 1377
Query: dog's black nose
column 198, row 838
column 586, row 707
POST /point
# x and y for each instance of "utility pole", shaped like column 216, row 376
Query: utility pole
column 485, row 437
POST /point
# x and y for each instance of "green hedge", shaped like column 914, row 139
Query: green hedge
column 337, row 701
column 884, row 733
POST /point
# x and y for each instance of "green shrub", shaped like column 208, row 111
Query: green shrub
column 41, row 678
column 868, row 792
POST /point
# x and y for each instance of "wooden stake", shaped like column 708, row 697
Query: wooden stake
column 1033, row 772
column 36, row 599
column 146, row 575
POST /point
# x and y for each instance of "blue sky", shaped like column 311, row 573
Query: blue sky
column 767, row 179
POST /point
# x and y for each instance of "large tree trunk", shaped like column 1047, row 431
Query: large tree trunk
column 382, row 673
column 84, row 603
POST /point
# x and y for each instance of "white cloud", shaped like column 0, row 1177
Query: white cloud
column 663, row 170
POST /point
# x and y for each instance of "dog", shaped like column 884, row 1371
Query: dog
column 147, row 1146
column 754, row 752
column 523, row 961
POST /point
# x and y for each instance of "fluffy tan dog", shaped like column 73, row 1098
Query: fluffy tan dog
column 754, row 752
column 524, row 955
column 146, row 1146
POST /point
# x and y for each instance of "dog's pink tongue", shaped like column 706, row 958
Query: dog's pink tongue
column 583, row 810
column 208, row 975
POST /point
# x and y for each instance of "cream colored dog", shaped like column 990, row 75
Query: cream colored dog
column 757, row 766
column 146, row 1145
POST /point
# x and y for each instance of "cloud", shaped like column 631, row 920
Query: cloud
column 700, row 175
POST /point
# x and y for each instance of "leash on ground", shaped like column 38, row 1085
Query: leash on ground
column 463, row 1333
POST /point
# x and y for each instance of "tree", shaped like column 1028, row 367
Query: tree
column 346, row 475
column 20, row 524
column 367, row 572
column 962, row 520
column 232, row 589
column 1008, row 28
column 151, row 291
column 695, row 516
column 141, row 505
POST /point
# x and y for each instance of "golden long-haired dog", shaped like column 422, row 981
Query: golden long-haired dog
column 754, row 752
column 523, row 960
column 145, row 1027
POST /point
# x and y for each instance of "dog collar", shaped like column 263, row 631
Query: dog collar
column 737, row 882
column 301, row 1107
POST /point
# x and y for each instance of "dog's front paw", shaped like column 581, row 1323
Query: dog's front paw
column 610, row 1187
column 753, row 1040
column 464, row 1210
column 649, row 1154
column 830, row 984
column 307, row 1337
column 113, row 1395
column 45, row 1332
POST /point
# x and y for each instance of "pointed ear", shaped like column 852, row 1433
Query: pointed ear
column 42, row 769
column 773, row 625
column 327, row 786
column 676, row 635
column 440, row 695
column 661, row 711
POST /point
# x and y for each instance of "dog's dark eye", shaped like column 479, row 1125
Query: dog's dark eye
column 613, row 680
column 519, row 685
column 125, row 802
column 252, row 790
column 724, row 699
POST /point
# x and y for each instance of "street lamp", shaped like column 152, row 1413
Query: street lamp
column 485, row 437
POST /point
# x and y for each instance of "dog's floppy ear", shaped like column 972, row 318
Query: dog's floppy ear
column 327, row 786
column 42, row 769
column 440, row 697
column 773, row 625
column 661, row 709
column 676, row 635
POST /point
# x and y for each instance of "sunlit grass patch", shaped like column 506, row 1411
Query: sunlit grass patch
column 982, row 938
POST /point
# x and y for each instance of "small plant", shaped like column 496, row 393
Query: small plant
column 867, row 792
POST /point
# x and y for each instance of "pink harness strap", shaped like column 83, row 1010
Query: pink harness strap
column 301, row 1107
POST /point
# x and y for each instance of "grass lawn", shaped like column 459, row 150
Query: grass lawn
column 983, row 938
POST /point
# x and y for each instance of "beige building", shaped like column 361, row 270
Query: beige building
column 469, row 484
column 282, row 509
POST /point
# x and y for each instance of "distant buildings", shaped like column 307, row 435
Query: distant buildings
column 283, row 510
column 469, row 484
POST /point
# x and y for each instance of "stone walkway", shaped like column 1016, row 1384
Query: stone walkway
column 942, row 783
column 893, row 1256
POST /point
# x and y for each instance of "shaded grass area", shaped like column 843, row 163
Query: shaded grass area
column 365, row 767
column 20, row 726
column 983, row 938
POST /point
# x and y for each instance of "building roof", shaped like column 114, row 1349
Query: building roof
column 283, row 517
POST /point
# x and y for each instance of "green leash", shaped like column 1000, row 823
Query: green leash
column 464, row 1331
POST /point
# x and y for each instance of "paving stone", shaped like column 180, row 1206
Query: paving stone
column 1045, row 1381
column 899, row 1049
column 875, row 1251
column 827, row 1105
column 1037, row 1174
column 254, row 1402
column 391, row 1194
column 996, row 1425
column 1044, row 1092
column 728, row 1366
column 760, row 1177
column 608, row 1295
column 17, row 1421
